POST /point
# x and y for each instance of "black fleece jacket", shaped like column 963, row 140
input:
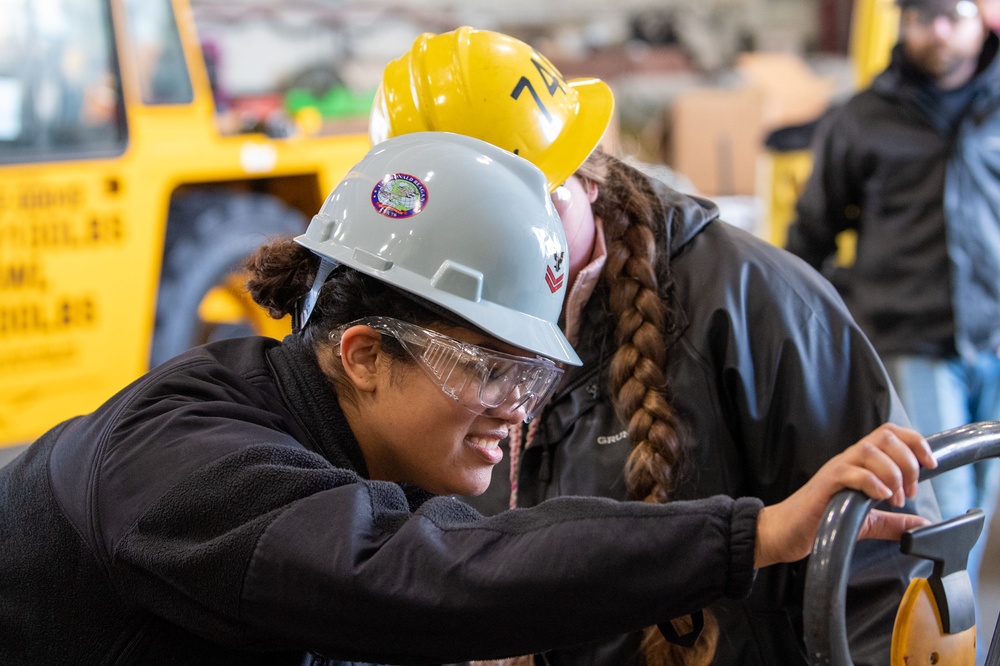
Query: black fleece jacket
column 216, row 511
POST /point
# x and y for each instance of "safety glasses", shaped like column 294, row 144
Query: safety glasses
column 478, row 378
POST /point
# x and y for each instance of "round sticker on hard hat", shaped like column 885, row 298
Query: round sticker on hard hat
column 399, row 195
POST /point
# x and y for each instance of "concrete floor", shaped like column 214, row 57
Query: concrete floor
column 989, row 592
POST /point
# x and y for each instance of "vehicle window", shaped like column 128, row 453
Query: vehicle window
column 60, row 91
column 157, row 52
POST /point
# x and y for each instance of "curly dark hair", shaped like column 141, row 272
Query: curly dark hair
column 282, row 272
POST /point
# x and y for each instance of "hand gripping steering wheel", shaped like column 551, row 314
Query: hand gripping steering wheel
column 946, row 596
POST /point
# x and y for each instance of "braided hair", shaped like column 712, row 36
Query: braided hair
column 634, row 292
column 631, row 291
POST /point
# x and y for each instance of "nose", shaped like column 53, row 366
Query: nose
column 943, row 26
column 514, row 410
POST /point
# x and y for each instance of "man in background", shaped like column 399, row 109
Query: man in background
column 912, row 164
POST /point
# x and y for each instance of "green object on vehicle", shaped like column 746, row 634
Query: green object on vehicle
column 337, row 102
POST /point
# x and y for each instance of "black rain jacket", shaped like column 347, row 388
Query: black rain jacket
column 772, row 377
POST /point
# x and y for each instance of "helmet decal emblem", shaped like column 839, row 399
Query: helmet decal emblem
column 399, row 195
column 554, row 277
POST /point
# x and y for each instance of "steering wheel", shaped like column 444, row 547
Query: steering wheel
column 825, row 620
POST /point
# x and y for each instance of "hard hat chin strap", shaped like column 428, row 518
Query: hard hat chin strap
column 300, row 317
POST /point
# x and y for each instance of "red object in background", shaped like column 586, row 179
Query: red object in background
column 257, row 106
column 835, row 25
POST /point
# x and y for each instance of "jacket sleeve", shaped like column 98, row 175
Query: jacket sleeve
column 829, row 202
column 271, row 548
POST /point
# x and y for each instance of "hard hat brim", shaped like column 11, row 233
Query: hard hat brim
column 595, row 109
column 520, row 329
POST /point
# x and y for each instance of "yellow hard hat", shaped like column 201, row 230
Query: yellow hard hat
column 495, row 88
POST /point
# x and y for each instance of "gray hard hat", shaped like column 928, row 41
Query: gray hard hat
column 461, row 223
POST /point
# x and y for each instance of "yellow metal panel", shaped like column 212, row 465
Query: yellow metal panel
column 81, row 244
column 918, row 637
column 76, row 282
column 789, row 172
column 874, row 31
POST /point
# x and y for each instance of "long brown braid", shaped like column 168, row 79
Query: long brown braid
column 632, row 216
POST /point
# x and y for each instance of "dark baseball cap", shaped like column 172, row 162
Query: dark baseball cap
column 956, row 8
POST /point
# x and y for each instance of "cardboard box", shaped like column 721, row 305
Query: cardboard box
column 793, row 94
column 717, row 135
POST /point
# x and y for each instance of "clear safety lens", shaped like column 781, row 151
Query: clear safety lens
column 480, row 379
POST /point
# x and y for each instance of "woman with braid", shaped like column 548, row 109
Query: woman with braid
column 713, row 362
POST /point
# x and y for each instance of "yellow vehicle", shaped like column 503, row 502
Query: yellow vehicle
column 125, row 210
column 874, row 30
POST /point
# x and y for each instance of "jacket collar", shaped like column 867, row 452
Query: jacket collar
column 686, row 215
column 311, row 397
column 583, row 286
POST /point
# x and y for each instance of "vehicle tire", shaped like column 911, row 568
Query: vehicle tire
column 210, row 235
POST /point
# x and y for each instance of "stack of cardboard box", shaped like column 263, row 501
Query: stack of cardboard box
column 717, row 133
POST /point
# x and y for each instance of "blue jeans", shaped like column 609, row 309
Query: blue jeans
column 939, row 394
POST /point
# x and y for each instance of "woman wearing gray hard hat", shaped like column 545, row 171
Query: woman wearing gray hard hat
column 254, row 501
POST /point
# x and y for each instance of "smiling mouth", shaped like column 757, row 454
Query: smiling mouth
column 488, row 447
column 484, row 442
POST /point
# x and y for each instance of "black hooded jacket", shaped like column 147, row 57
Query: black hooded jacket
column 916, row 172
column 771, row 377
column 216, row 512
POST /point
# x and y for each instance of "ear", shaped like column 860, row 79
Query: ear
column 592, row 190
column 360, row 347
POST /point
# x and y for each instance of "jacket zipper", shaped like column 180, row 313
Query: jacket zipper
column 546, row 464
column 127, row 652
column 577, row 383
